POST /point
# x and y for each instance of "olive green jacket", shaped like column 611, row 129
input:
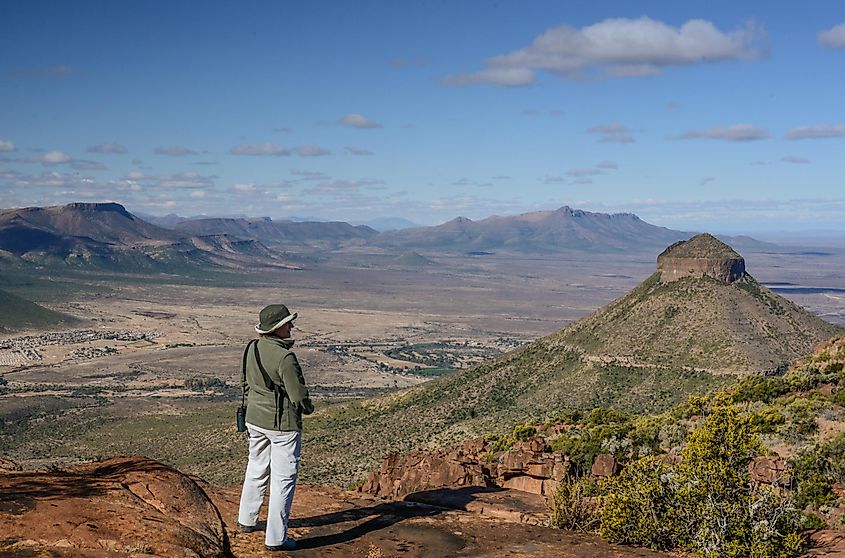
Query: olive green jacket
column 277, row 401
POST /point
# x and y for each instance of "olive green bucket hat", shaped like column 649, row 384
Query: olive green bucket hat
column 273, row 317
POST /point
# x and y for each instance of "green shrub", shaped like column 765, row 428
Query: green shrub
column 605, row 415
column 522, row 432
column 705, row 504
column 640, row 507
column 767, row 420
column 759, row 388
column 816, row 469
column 571, row 506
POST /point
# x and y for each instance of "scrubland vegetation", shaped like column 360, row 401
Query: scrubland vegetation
column 685, row 482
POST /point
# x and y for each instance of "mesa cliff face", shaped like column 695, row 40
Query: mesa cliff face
column 701, row 256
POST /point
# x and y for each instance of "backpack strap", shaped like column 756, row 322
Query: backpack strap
column 244, row 384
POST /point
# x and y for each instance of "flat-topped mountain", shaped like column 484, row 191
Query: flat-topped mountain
column 702, row 255
column 540, row 231
column 286, row 233
column 644, row 351
column 106, row 235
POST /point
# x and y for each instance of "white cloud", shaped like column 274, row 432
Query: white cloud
column 502, row 177
column 620, row 48
column 7, row 146
column 244, row 187
column 174, row 151
column 816, row 131
column 582, row 181
column 607, row 165
column 54, row 158
column 312, row 151
column 354, row 120
column 199, row 194
column 359, row 151
column 833, row 37
column 108, row 148
column 794, row 159
column 737, row 132
column 261, row 149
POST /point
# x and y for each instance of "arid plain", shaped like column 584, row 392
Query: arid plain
column 167, row 345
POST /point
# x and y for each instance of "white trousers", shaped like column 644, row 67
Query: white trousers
column 273, row 455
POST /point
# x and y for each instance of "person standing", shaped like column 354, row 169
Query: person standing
column 276, row 400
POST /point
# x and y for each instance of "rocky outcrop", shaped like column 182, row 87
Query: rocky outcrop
column 122, row 505
column 530, row 467
column 702, row 255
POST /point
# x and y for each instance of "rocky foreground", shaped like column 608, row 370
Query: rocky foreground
column 136, row 506
column 133, row 506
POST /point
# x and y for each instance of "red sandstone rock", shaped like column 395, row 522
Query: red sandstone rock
column 525, row 484
column 124, row 504
column 769, row 470
column 604, row 466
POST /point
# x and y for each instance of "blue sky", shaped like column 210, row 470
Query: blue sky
column 724, row 116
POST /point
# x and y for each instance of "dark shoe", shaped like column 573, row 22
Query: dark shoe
column 247, row 528
column 289, row 544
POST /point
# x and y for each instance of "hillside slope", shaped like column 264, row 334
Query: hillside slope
column 19, row 313
column 643, row 352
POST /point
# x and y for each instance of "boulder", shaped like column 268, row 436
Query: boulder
column 124, row 504
column 769, row 469
column 604, row 466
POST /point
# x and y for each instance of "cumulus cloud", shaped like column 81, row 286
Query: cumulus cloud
column 737, row 132
column 816, row 131
column 311, row 151
column 244, row 187
column 259, row 150
column 108, row 148
column 354, row 120
column 358, row 151
column 7, row 146
column 54, row 158
column 619, row 48
column 174, row 151
column 833, row 37
column 795, row 160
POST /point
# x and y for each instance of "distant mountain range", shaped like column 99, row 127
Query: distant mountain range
column 107, row 235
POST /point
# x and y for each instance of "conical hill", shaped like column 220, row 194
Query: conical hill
column 694, row 325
